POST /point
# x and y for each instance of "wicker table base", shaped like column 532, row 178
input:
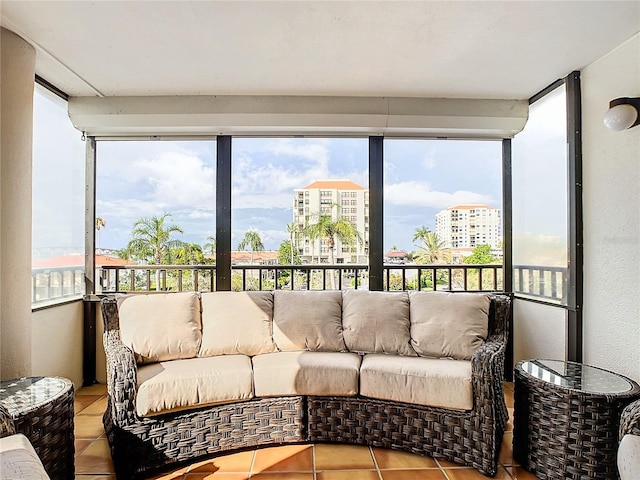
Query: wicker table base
column 566, row 418
column 42, row 410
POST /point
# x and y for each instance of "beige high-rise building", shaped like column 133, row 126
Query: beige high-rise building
column 464, row 227
column 337, row 198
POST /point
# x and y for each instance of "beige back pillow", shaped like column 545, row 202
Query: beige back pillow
column 162, row 326
column 308, row 321
column 236, row 322
column 376, row 322
column 448, row 324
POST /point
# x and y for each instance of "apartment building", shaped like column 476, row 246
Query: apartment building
column 339, row 199
column 464, row 227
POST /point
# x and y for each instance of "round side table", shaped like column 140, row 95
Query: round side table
column 42, row 410
column 566, row 418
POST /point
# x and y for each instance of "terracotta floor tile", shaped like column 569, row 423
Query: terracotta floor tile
column 96, row 408
column 471, row 474
column 217, row 476
column 509, row 427
column 508, row 397
column 176, row 474
column 506, row 450
column 283, row 476
column 433, row 474
column 88, row 426
column 97, row 389
column 519, row 473
column 287, row 458
column 80, row 402
column 81, row 444
column 446, row 464
column 96, row 458
column 348, row 475
column 95, row 477
column 394, row 459
column 342, row 457
column 234, row 463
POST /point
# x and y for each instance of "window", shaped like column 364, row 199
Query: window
column 58, row 202
column 164, row 185
column 540, row 219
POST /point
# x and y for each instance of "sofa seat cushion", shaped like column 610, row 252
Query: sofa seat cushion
column 18, row 459
column 183, row 384
column 377, row 322
column 308, row 321
column 306, row 373
column 236, row 322
column 423, row 381
column 160, row 326
column 445, row 324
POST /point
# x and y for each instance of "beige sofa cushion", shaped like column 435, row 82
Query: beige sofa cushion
column 306, row 373
column 448, row 324
column 183, row 384
column 308, row 321
column 160, row 327
column 376, row 322
column 423, row 381
column 236, row 322
column 18, row 459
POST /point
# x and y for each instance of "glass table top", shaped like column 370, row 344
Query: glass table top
column 24, row 393
column 577, row 376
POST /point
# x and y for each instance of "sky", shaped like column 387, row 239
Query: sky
column 138, row 179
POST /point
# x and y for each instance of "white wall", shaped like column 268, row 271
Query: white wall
column 539, row 331
column 56, row 341
column 611, row 199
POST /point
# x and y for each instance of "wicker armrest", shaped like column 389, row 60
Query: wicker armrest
column 7, row 426
column 630, row 419
column 121, row 368
column 487, row 377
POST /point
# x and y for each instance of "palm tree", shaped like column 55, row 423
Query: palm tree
column 188, row 254
column 293, row 229
column 432, row 250
column 253, row 241
column 331, row 231
column 100, row 223
column 151, row 240
column 421, row 234
column 211, row 244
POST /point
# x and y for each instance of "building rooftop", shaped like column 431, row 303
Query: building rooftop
column 334, row 185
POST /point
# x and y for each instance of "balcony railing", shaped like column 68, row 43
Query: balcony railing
column 547, row 284
column 50, row 284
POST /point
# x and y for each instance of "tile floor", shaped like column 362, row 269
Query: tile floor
column 292, row 462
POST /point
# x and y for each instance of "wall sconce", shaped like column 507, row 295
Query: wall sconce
column 623, row 113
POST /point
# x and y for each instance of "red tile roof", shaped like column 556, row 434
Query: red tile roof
column 335, row 185
column 77, row 260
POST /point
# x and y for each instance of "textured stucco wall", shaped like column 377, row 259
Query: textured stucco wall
column 539, row 331
column 611, row 199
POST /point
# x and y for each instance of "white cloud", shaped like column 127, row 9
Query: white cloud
column 419, row 194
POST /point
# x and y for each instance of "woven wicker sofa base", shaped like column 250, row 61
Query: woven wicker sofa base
column 457, row 436
column 152, row 443
column 155, row 443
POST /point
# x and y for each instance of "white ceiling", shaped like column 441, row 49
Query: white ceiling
column 450, row 49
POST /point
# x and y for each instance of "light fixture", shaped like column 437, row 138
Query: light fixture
column 623, row 113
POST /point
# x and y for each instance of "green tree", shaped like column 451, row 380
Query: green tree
column 481, row 255
column 432, row 250
column 253, row 241
column 188, row 254
column 293, row 229
column 421, row 234
column 287, row 255
column 210, row 246
column 331, row 231
column 151, row 241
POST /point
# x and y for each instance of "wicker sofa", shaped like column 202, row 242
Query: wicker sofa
column 192, row 375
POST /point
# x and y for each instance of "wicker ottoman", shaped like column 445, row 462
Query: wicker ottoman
column 42, row 410
column 566, row 419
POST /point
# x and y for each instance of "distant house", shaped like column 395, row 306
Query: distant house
column 396, row 257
